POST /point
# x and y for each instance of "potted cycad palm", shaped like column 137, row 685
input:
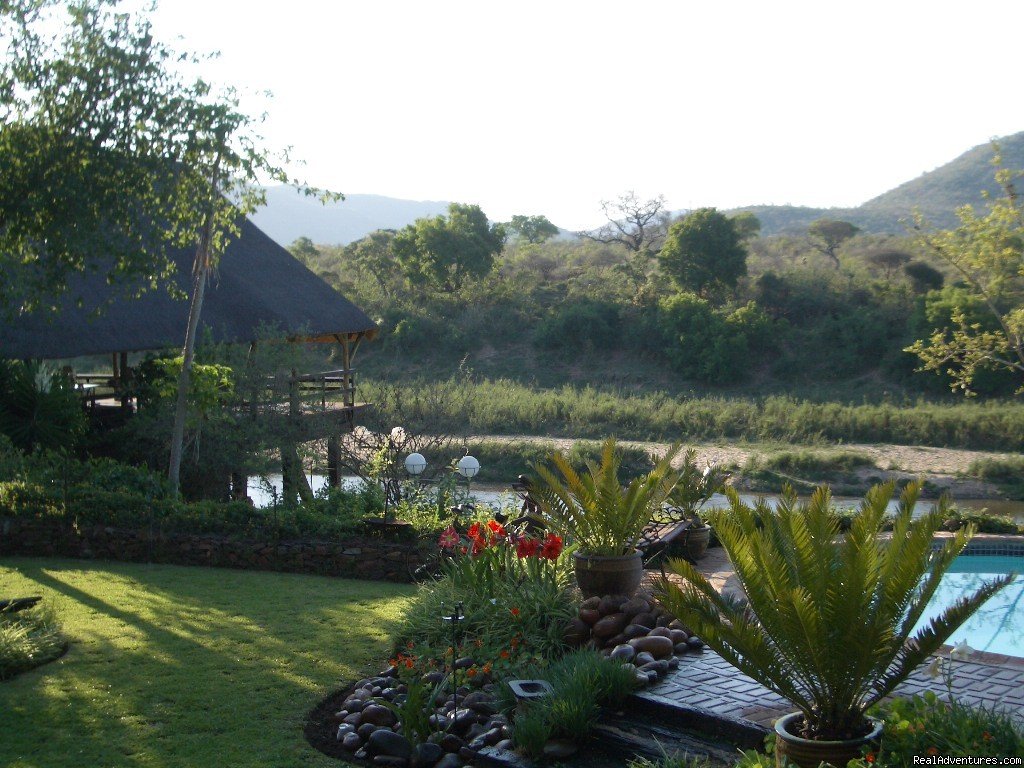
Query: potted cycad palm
column 602, row 518
column 693, row 489
column 828, row 616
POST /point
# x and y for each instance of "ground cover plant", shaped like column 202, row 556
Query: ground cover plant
column 187, row 666
column 28, row 639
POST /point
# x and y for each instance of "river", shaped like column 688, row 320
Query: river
column 497, row 496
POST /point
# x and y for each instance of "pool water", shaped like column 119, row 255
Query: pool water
column 996, row 627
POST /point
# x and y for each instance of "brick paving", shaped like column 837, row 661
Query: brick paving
column 707, row 681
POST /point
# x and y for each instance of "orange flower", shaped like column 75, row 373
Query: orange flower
column 986, row 736
column 870, row 757
column 479, row 643
column 515, row 642
column 409, row 663
column 393, row 662
column 505, row 654
column 487, row 668
column 932, row 751
column 471, row 672
column 410, row 645
column 515, row 611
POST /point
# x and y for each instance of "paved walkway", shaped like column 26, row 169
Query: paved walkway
column 706, row 680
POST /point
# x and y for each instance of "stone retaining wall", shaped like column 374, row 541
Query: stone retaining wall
column 360, row 557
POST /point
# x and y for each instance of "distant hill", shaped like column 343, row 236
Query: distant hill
column 936, row 193
column 289, row 215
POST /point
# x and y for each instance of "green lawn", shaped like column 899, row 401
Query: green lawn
column 175, row 666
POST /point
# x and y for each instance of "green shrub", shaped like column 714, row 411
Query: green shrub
column 509, row 603
column 805, row 461
column 584, row 324
column 582, row 681
column 1007, row 473
column 28, row 639
column 925, row 725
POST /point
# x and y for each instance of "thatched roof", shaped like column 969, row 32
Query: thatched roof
column 256, row 283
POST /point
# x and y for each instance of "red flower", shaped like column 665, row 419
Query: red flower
column 474, row 531
column 514, row 611
column 552, row 547
column 471, row 672
column 497, row 529
column 870, row 757
column 504, row 654
column 449, row 538
column 527, row 547
column 932, row 751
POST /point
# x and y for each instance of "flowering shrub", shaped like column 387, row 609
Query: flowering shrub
column 488, row 552
column 515, row 590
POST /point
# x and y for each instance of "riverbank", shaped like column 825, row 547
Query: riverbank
column 851, row 469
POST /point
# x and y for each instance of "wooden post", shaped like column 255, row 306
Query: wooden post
column 239, row 486
column 122, row 381
column 333, row 462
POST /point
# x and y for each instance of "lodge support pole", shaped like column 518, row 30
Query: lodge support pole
column 334, row 461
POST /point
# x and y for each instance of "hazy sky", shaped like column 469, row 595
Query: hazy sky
column 550, row 107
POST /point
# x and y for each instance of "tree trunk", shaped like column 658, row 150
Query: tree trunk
column 200, row 273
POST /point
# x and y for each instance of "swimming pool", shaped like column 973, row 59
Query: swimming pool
column 998, row 626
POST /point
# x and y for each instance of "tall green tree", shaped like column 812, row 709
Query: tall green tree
column 532, row 229
column 110, row 156
column 703, row 252
column 987, row 253
column 445, row 251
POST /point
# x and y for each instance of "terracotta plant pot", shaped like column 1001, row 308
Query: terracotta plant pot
column 599, row 575
column 810, row 753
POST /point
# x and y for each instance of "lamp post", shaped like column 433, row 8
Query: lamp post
column 454, row 619
column 468, row 467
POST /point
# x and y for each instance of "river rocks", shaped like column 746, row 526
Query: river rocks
column 388, row 743
column 559, row 749
column 451, row 743
column 643, row 658
column 645, row 619
column 589, row 616
column 427, row 753
column 577, row 633
column 450, row 761
column 658, row 647
column 609, row 626
column 623, row 652
column 352, row 742
column 635, row 606
column 378, row 714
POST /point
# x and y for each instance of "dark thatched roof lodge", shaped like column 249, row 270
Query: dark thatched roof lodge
column 257, row 283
